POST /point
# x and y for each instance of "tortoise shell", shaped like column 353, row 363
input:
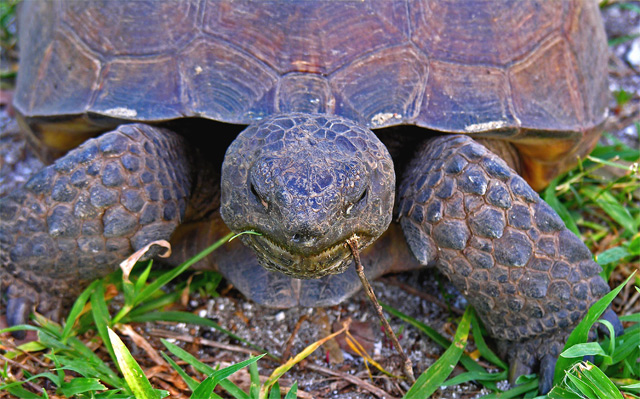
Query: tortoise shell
column 531, row 72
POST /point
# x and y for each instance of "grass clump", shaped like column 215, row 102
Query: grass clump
column 79, row 372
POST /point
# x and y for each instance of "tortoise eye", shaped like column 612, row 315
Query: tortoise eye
column 259, row 197
column 362, row 197
column 358, row 203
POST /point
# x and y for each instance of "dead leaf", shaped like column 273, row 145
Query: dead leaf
column 127, row 264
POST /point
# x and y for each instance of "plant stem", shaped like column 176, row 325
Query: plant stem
column 408, row 367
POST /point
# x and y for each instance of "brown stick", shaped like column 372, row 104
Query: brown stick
column 287, row 351
column 408, row 367
column 202, row 341
column 351, row 378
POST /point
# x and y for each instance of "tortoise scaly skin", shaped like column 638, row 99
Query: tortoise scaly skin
column 532, row 279
column 80, row 217
column 525, row 82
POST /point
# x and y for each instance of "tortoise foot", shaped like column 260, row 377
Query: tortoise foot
column 76, row 220
column 611, row 316
column 18, row 313
column 464, row 209
column 538, row 354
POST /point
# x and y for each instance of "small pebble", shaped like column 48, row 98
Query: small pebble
column 633, row 56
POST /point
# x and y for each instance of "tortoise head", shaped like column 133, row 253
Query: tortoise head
column 307, row 183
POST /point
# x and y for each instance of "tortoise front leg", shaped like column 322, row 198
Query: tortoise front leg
column 75, row 220
column 529, row 278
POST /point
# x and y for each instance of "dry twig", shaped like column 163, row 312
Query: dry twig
column 351, row 378
column 408, row 367
column 201, row 341
column 287, row 351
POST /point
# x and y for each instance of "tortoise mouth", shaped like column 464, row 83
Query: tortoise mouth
column 334, row 259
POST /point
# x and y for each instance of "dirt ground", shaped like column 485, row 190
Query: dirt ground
column 291, row 330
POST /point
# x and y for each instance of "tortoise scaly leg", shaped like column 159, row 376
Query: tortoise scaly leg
column 529, row 278
column 75, row 220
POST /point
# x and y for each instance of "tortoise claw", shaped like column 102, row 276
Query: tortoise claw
column 610, row 316
column 18, row 309
column 524, row 363
column 547, row 368
column 517, row 368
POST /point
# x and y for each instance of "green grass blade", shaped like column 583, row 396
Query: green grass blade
column 171, row 274
column 254, row 389
column 133, row 374
column 190, row 318
column 88, row 357
column 562, row 392
column 204, row 389
column 580, row 334
column 516, row 392
column 51, row 341
column 78, row 305
column 582, row 350
column 275, row 390
column 227, row 371
column 434, row 376
column 101, row 318
column 212, row 278
column 626, row 344
column 484, row 349
column 634, row 245
column 188, row 357
column 293, row 391
column 600, row 383
column 612, row 255
column 207, row 386
column 22, row 393
column 81, row 385
column 20, row 327
column 550, row 197
column 635, row 317
column 191, row 382
column 476, row 376
column 622, row 39
column 59, row 371
column 15, row 388
column 428, row 331
column 50, row 326
column 140, row 282
column 579, row 387
column 466, row 361
column 610, row 205
column 180, row 353
column 632, row 386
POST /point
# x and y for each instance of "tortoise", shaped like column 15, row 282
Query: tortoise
column 475, row 104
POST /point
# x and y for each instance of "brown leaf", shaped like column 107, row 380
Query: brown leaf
column 128, row 263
